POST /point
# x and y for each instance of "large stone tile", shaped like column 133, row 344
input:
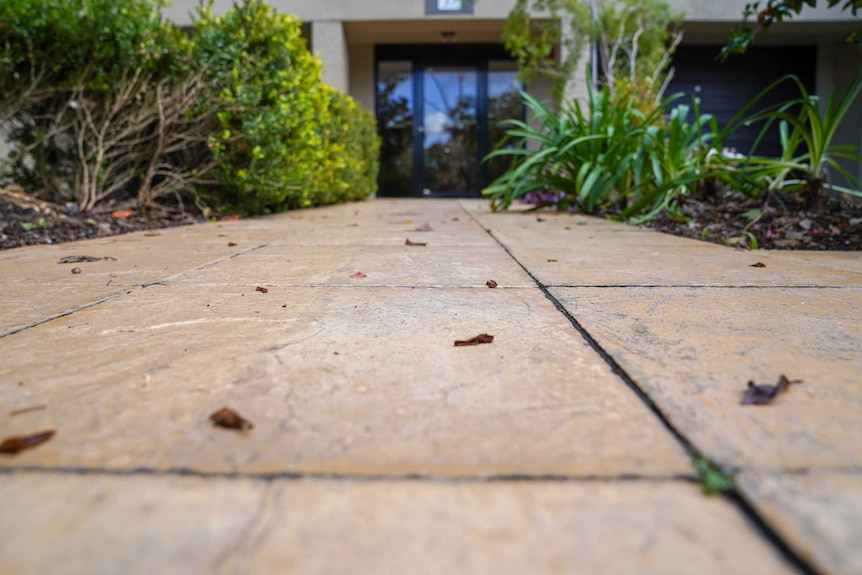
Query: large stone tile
column 146, row 257
column 818, row 513
column 383, row 265
column 22, row 305
column 133, row 262
column 335, row 380
column 694, row 350
column 568, row 250
column 391, row 223
column 90, row 525
column 139, row 524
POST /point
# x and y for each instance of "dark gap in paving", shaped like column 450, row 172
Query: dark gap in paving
column 69, row 312
column 697, row 286
column 344, row 286
column 293, row 475
column 733, row 496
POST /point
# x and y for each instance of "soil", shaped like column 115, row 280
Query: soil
column 781, row 223
column 28, row 221
column 728, row 220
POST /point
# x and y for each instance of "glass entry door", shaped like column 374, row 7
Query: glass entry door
column 438, row 117
column 449, row 131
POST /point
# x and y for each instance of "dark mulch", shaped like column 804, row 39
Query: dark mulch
column 782, row 223
column 26, row 221
column 775, row 226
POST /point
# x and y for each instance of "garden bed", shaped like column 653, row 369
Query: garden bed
column 26, row 221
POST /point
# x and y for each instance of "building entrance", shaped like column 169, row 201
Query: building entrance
column 439, row 112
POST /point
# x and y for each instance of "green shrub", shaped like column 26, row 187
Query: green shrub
column 75, row 76
column 102, row 99
column 351, row 135
column 283, row 137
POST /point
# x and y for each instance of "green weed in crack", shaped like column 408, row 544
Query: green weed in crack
column 713, row 479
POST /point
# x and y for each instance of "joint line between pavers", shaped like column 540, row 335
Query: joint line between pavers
column 69, row 312
column 211, row 264
column 100, row 301
column 365, row 477
column 697, row 286
column 733, row 496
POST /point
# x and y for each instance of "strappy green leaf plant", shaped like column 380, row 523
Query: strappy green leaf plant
column 613, row 156
column 809, row 157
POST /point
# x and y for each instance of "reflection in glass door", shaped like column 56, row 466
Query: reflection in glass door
column 395, row 126
column 438, row 115
column 449, row 130
column 504, row 103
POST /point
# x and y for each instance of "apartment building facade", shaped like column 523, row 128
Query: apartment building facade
column 440, row 82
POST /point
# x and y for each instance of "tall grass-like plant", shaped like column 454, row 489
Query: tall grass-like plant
column 678, row 154
column 808, row 151
column 588, row 158
column 616, row 159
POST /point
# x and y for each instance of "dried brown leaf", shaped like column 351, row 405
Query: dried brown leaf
column 15, row 445
column 226, row 417
column 481, row 338
column 261, row 289
column 491, row 283
column 231, row 244
column 763, row 394
column 409, row 243
column 758, row 265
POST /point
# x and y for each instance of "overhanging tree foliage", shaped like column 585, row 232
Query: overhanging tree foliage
column 634, row 40
column 744, row 34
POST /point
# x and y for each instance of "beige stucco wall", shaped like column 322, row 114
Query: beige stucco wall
column 696, row 10
column 362, row 74
column 351, row 10
column 731, row 11
column 329, row 42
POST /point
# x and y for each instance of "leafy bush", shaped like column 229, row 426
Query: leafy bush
column 355, row 147
column 102, row 100
column 68, row 70
column 284, row 138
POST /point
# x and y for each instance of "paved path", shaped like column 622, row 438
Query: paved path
column 565, row 446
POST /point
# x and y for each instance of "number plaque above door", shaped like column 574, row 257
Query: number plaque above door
column 448, row 6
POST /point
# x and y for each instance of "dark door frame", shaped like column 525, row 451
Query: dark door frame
column 424, row 56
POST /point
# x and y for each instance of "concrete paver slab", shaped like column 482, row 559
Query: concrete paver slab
column 383, row 266
column 335, row 380
column 819, row 513
column 391, row 224
column 182, row 525
column 22, row 305
column 559, row 252
column 132, row 263
column 366, row 383
column 694, row 349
